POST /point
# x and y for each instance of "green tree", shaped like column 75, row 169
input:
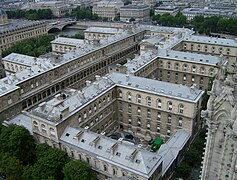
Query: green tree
column 50, row 163
column 78, row 170
column 10, row 167
column 183, row 170
column 132, row 19
column 17, row 141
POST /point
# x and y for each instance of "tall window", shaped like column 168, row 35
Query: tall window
column 180, row 121
column 129, row 96
column 138, row 111
column 159, row 103
column 177, row 66
column 120, row 94
column 148, row 99
column 129, row 108
column 181, row 108
column 185, row 67
column 158, row 116
column 139, row 98
column 202, row 70
column 148, row 113
column 169, row 118
column 170, row 106
column 193, row 69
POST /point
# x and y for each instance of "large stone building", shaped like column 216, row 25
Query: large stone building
column 143, row 107
column 140, row 12
column 3, row 18
column 18, row 30
column 108, row 9
column 2, row 70
column 47, row 77
column 130, row 100
column 58, row 8
column 219, row 161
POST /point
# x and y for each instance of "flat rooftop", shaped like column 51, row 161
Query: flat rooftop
column 103, row 30
column 68, row 41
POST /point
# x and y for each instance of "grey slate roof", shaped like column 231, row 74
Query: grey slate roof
column 52, row 109
column 212, row 40
column 143, row 163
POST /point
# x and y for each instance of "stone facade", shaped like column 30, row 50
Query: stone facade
column 219, row 161
column 17, row 31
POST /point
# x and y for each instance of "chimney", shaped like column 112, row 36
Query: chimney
column 88, row 82
column 97, row 77
column 120, row 140
column 81, row 94
column 106, row 79
column 114, row 147
column 127, row 77
column 86, row 128
column 133, row 155
column 96, row 85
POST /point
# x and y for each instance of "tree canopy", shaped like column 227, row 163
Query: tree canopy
column 32, row 47
column 22, row 158
column 31, row 14
column 83, row 13
column 77, row 170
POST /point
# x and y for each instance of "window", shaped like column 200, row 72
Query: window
column 202, row 70
column 159, row 103
column 180, row 121
column 52, row 132
column 139, row 122
column 148, row 113
column 194, row 69
column 129, row 108
column 148, row 125
column 184, row 77
column 181, row 108
column 148, row 99
column 168, row 75
column 129, row 119
column 211, row 71
column 201, row 80
column 105, row 168
column 177, row 66
column 120, row 93
column 35, row 125
column 168, row 131
column 169, row 118
column 185, row 67
column 158, row 128
column 158, row 116
column 139, row 98
column 85, row 115
column 129, row 96
column 176, row 76
column 43, row 128
column 95, row 108
column 193, row 78
column 170, row 106
column 168, row 65
column 118, row 154
column 138, row 111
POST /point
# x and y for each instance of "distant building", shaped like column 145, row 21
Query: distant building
column 18, row 30
column 107, row 8
column 58, row 8
column 97, row 33
column 2, row 70
column 140, row 12
column 172, row 10
column 3, row 17
column 190, row 13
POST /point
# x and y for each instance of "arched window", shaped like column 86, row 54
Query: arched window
column 139, row 98
column 177, row 66
column 181, row 108
column 168, row 65
column 170, row 106
column 148, row 101
column 79, row 118
column 95, row 107
column 43, row 128
column 129, row 96
column 185, row 67
column 52, row 132
column 193, row 69
column 36, row 126
column 202, row 70
column 211, row 71
column 180, row 121
column 158, row 103
column 85, row 115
